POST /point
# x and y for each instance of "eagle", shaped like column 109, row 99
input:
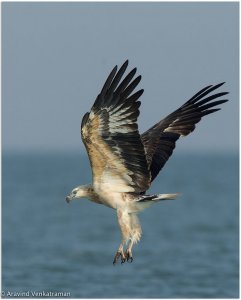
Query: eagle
column 124, row 162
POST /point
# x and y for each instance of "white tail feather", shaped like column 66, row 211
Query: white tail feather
column 165, row 197
column 147, row 200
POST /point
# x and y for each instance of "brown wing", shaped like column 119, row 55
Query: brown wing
column 110, row 134
column 159, row 141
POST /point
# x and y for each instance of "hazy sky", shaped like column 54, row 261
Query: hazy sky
column 56, row 56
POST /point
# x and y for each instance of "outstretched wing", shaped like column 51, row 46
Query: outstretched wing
column 159, row 141
column 111, row 137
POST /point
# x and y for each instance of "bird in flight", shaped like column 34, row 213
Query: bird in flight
column 124, row 162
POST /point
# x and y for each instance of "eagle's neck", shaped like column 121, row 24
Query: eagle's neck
column 88, row 192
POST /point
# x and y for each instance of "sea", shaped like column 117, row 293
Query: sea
column 189, row 247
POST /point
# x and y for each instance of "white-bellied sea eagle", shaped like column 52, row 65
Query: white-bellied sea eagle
column 124, row 162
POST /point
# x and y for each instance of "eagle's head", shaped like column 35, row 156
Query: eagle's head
column 81, row 191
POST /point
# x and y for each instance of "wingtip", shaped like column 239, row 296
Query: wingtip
column 141, row 91
column 126, row 62
column 124, row 66
column 138, row 78
column 219, row 84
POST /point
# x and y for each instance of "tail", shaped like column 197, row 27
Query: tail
column 157, row 197
column 145, row 201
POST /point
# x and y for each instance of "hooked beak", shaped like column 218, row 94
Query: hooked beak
column 68, row 198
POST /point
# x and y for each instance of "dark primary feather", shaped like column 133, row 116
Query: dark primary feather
column 159, row 141
column 117, row 110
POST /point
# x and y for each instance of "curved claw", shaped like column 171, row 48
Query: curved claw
column 123, row 260
column 129, row 257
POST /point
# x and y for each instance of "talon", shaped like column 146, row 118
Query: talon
column 123, row 259
column 129, row 257
column 118, row 254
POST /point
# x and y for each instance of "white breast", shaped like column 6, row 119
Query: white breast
column 112, row 199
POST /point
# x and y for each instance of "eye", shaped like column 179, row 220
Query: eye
column 74, row 192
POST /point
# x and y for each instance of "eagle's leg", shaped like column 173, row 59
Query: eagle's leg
column 135, row 236
column 125, row 227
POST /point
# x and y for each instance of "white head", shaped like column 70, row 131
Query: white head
column 82, row 191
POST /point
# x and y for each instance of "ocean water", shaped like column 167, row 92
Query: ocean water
column 189, row 248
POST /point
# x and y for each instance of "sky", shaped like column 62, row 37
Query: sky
column 56, row 57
